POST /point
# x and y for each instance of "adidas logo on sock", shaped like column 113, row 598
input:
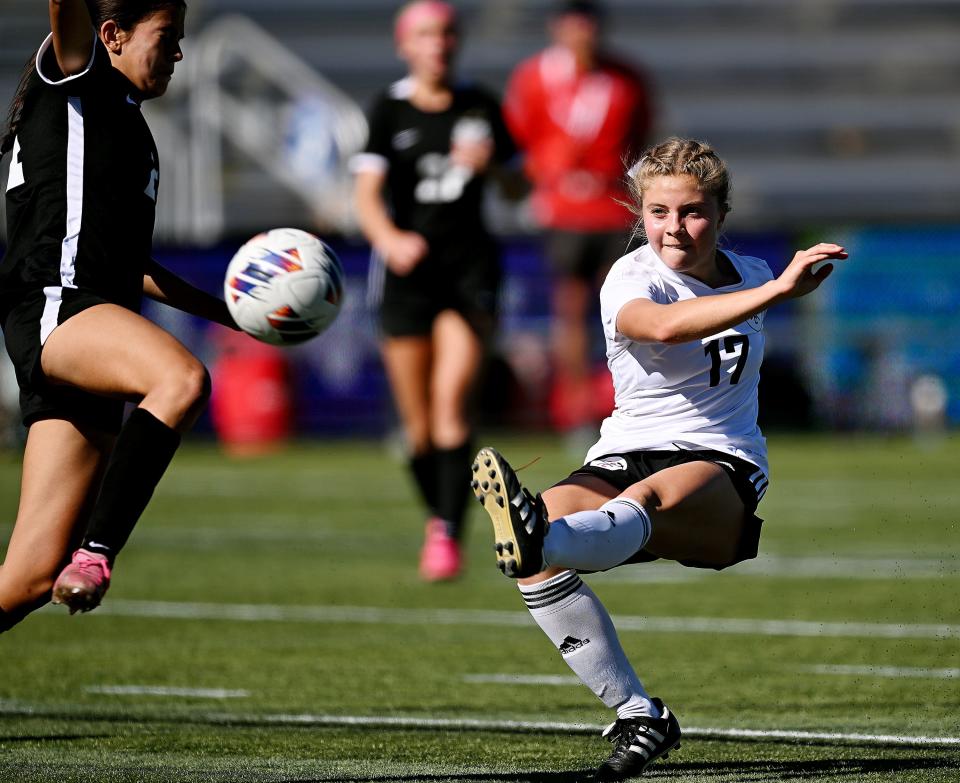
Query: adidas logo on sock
column 571, row 644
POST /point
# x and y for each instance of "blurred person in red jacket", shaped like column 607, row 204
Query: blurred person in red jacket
column 578, row 114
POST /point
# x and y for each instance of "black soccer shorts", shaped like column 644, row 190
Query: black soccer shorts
column 460, row 275
column 750, row 483
column 40, row 399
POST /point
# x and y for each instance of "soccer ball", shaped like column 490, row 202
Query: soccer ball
column 284, row 286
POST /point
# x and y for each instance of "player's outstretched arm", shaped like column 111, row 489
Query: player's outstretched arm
column 693, row 319
column 162, row 285
column 72, row 34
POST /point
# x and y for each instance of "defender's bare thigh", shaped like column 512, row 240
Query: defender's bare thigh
column 114, row 352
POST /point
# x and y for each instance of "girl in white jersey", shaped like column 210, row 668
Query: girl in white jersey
column 680, row 465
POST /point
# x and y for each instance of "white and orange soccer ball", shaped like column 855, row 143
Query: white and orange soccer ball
column 284, row 286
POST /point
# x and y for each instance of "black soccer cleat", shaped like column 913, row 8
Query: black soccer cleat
column 519, row 519
column 638, row 742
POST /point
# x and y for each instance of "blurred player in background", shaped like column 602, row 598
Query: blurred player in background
column 81, row 198
column 680, row 465
column 578, row 114
column 436, row 271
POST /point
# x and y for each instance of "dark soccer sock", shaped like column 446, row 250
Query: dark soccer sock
column 424, row 470
column 453, row 485
column 9, row 619
column 142, row 453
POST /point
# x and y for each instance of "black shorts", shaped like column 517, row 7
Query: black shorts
column 23, row 326
column 750, row 483
column 463, row 276
column 585, row 255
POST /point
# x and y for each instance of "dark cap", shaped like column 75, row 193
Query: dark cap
column 582, row 7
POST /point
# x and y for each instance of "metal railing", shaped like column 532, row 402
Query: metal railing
column 245, row 87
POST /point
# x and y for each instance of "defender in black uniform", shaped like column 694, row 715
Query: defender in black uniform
column 81, row 197
column 420, row 185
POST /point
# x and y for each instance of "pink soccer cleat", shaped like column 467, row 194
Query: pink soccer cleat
column 440, row 556
column 81, row 585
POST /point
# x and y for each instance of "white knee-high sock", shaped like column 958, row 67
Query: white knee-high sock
column 597, row 540
column 572, row 616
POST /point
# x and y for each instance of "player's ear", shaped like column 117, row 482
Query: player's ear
column 112, row 36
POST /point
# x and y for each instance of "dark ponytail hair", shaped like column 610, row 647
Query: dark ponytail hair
column 17, row 105
column 126, row 13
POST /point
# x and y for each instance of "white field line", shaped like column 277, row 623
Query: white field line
column 868, row 671
column 162, row 690
column 887, row 671
column 473, row 724
column 523, row 679
column 465, row 617
column 581, row 728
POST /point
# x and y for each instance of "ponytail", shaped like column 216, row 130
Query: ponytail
column 17, row 105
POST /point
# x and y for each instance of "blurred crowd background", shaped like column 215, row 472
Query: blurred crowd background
column 839, row 119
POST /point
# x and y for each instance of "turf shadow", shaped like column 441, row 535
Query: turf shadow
column 766, row 771
column 51, row 737
column 576, row 776
column 821, row 742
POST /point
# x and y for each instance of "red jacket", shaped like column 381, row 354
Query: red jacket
column 579, row 131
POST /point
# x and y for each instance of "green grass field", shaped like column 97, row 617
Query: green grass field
column 266, row 623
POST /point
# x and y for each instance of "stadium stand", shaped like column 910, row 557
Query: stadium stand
column 824, row 108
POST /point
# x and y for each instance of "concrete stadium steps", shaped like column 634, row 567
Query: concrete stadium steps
column 791, row 190
column 828, row 77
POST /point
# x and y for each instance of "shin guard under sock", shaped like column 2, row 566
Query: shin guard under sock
column 9, row 619
column 579, row 627
column 140, row 457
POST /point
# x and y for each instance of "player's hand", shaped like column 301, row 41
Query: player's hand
column 474, row 155
column 799, row 278
column 403, row 251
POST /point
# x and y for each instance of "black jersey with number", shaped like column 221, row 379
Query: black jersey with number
column 428, row 192
column 81, row 194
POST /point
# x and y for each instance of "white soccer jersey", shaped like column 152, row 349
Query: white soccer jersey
column 694, row 395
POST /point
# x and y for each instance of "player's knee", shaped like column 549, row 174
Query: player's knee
column 449, row 431
column 191, row 388
column 206, row 386
column 181, row 394
column 645, row 495
column 417, row 434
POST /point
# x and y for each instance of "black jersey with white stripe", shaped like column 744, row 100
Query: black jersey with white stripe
column 81, row 194
column 428, row 192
